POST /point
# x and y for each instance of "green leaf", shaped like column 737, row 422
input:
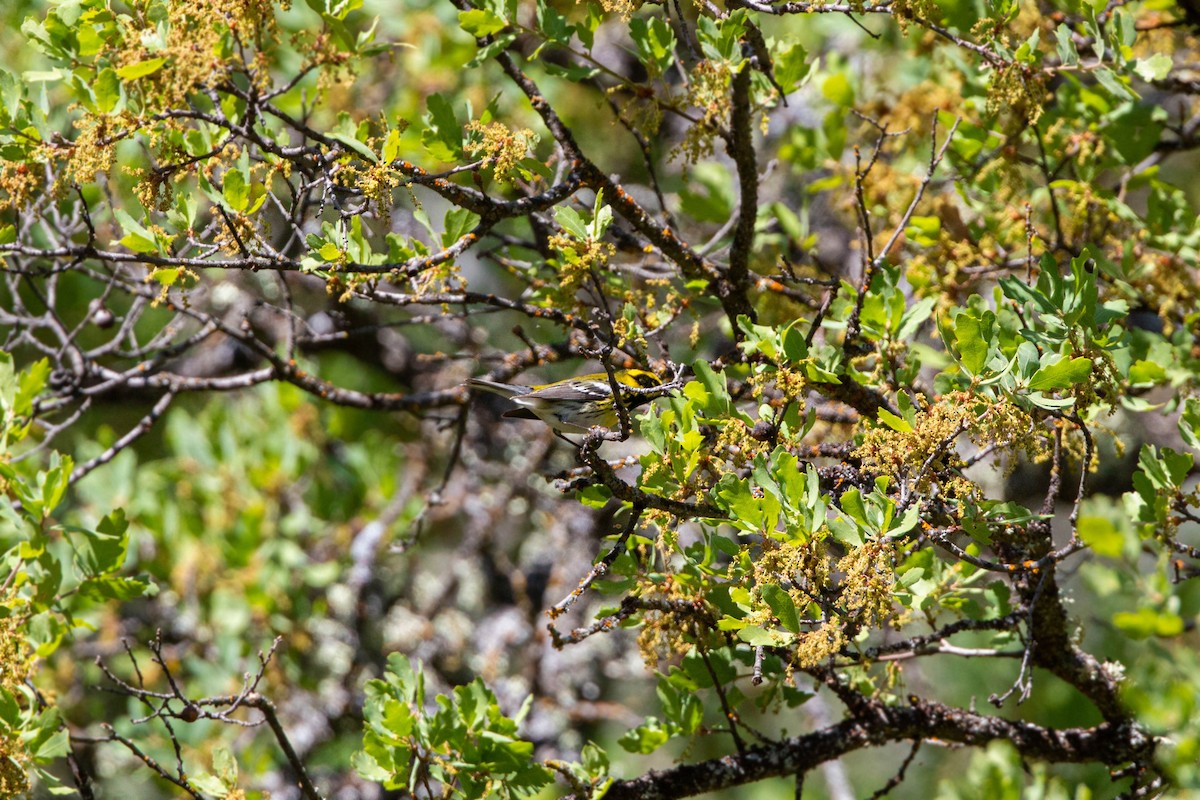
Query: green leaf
column 748, row 512
column 391, row 145
column 794, row 698
column 1189, row 423
column 1100, row 534
column 351, row 141
column 1062, row 374
column 587, row 28
column 210, row 784
column 1178, row 465
column 837, row 90
column 1067, row 54
column 714, row 399
column 10, row 709
column 458, row 223
column 645, row 738
column 102, row 550
column 225, row 765
column 107, row 88
column 443, row 134
column 497, row 45
column 913, row 318
column 481, row 22
column 1114, row 85
column 110, row 587
column 571, row 222
column 1022, row 293
column 140, row 69
column 782, row 605
column 136, row 238
column 236, row 190
column 833, row 127
column 56, row 745
column 1146, row 372
column 1028, row 52
column 757, row 636
column 329, row 251
column 166, row 276
column 1134, row 131
column 846, row 532
column 554, row 25
column 655, row 43
column 54, row 481
column 602, row 216
column 972, row 347
column 594, row 760
column 45, row 633
column 894, row 422
column 1153, row 68
column 792, row 68
column 1048, row 403
column 1147, row 622
column 366, row 766
column 852, row 503
column 716, row 200
column 576, row 73
column 29, row 384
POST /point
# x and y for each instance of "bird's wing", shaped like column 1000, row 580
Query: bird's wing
column 593, row 390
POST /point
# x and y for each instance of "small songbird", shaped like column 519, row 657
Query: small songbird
column 575, row 405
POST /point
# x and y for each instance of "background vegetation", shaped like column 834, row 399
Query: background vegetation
column 917, row 517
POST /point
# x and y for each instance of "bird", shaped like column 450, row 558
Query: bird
column 575, row 405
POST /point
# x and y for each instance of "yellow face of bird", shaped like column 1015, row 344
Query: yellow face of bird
column 638, row 379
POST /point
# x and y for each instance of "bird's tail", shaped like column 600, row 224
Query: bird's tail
column 502, row 389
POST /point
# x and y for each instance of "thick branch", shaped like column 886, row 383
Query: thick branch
column 741, row 150
column 1107, row 743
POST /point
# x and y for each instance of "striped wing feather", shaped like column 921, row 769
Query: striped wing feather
column 590, row 390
